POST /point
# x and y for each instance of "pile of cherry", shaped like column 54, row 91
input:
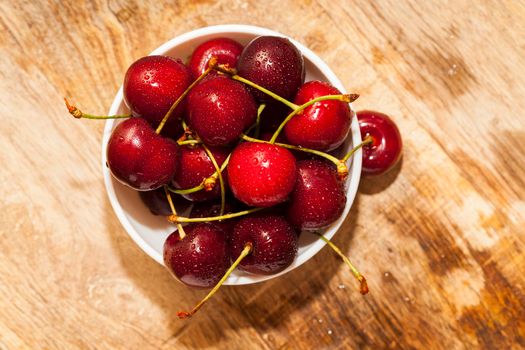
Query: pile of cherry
column 239, row 133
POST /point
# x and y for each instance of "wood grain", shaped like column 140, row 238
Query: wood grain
column 441, row 238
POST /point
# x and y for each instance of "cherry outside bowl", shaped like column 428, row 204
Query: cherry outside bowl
column 149, row 231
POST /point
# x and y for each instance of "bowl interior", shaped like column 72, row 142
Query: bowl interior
column 150, row 231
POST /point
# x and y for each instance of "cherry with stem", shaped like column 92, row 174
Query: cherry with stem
column 296, row 109
column 342, row 168
column 245, row 252
column 212, row 63
column 348, row 98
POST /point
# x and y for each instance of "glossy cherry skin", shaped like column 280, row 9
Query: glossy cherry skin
column 194, row 167
column 318, row 198
column 324, row 125
column 158, row 204
column 151, row 85
column 219, row 109
column 275, row 64
column 201, row 258
column 261, row 174
column 274, row 241
column 385, row 151
column 139, row 158
column 227, row 51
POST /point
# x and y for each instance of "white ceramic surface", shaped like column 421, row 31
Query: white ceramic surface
column 149, row 231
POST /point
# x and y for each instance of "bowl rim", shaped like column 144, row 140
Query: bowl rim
column 353, row 177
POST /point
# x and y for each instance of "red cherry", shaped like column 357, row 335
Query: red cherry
column 194, row 167
column 219, row 109
column 151, row 85
column 274, row 243
column 158, row 204
column 324, row 125
column 139, row 158
column 385, row 150
column 318, row 198
column 200, row 258
column 273, row 63
column 261, row 174
column 227, row 51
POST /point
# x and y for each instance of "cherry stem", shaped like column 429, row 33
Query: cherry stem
column 296, row 148
column 234, row 76
column 211, row 64
column 348, row 98
column 362, row 280
column 182, row 234
column 366, row 141
column 77, row 113
column 256, row 126
column 187, row 190
column 248, row 247
column 258, row 122
column 208, row 181
column 175, row 218
column 189, row 142
column 221, row 180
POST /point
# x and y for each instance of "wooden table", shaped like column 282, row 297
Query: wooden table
column 441, row 238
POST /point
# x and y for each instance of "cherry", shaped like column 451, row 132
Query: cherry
column 200, row 258
column 323, row 126
column 274, row 243
column 261, row 174
column 219, row 109
column 385, row 150
column 194, row 167
column 158, row 204
column 151, row 85
column 318, row 198
column 140, row 158
column 227, row 51
column 273, row 63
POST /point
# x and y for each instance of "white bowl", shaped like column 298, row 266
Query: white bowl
column 149, row 231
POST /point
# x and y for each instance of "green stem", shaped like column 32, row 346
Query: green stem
column 256, row 124
column 175, row 218
column 77, row 113
column 221, row 180
column 296, row 148
column 187, row 190
column 365, row 142
column 234, row 76
column 201, row 186
column 211, row 64
column 182, row 234
column 363, row 285
column 344, row 98
column 189, row 142
column 247, row 250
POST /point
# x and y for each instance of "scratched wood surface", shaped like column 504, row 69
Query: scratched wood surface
column 441, row 238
